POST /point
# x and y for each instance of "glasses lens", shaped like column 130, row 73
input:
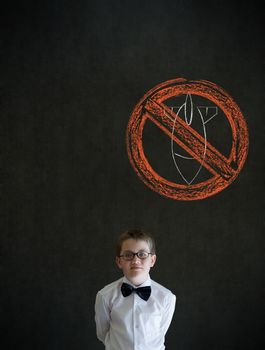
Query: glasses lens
column 142, row 255
column 128, row 255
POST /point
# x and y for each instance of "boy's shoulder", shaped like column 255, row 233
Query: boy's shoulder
column 111, row 287
column 160, row 290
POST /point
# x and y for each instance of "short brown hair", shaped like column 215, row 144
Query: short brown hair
column 136, row 234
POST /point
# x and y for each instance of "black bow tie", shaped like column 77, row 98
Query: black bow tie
column 143, row 292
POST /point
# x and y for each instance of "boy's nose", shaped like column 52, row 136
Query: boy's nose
column 135, row 258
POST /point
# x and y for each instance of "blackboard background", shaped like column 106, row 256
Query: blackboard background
column 71, row 74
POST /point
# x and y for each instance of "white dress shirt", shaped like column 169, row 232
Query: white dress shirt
column 131, row 323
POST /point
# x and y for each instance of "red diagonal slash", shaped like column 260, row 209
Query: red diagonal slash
column 188, row 139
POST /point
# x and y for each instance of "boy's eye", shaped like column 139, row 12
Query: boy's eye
column 128, row 255
column 142, row 255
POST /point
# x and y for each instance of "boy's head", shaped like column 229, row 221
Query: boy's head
column 135, row 255
column 136, row 235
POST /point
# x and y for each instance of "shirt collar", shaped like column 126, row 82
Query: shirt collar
column 146, row 283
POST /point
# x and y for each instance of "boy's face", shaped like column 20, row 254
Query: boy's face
column 136, row 270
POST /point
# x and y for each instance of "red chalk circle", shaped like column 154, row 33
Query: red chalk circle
column 224, row 169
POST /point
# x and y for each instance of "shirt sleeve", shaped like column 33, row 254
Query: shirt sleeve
column 168, row 312
column 102, row 317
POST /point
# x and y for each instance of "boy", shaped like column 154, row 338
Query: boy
column 134, row 312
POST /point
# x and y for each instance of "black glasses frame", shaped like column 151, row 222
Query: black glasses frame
column 136, row 254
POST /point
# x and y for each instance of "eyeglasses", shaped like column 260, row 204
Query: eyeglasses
column 128, row 256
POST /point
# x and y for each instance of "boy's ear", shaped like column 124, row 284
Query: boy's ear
column 118, row 262
column 153, row 260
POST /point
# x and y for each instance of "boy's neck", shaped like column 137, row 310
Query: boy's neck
column 138, row 282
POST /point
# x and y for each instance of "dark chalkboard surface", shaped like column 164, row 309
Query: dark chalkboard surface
column 71, row 74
